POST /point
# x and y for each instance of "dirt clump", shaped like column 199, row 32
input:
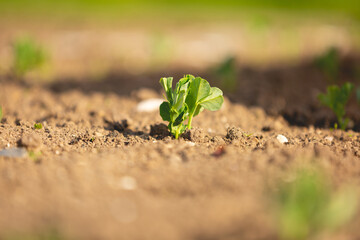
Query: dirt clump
column 196, row 135
column 30, row 141
column 159, row 130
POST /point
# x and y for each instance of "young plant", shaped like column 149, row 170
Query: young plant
column 336, row 99
column 307, row 206
column 190, row 96
column 329, row 63
column 27, row 56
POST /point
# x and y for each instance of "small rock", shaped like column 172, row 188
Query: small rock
column 128, row 183
column 32, row 141
column 329, row 138
column 191, row 144
column 98, row 134
column 14, row 152
column 149, row 105
column 282, row 139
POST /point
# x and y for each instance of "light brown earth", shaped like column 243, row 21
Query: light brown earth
column 98, row 169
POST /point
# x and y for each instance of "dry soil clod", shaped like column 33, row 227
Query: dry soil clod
column 31, row 142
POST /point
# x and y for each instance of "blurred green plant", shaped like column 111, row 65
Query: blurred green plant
column 161, row 48
column 336, row 99
column 307, row 206
column 329, row 64
column 358, row 95
column 226, row 72
column 28, row 56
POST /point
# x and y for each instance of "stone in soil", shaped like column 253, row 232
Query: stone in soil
column 14, row 153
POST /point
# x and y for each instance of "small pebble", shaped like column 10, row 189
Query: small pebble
column 282, row 139
column 329, row 138
column 14, row 152
column 149, row 105
column 128, row 183
column 191, row 144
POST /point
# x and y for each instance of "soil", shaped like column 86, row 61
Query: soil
column 98, row 169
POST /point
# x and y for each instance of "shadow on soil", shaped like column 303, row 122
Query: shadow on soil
column 290, row 91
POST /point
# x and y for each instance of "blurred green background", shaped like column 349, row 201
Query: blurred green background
column 93, row 36
column 176, row 8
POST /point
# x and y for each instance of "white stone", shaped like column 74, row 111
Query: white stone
column 282, row 139
column 329, row 138
column 149, row 105
column 128, row 183
column 14, row 152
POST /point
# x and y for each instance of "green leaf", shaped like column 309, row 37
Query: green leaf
column 166, row 83
column 165, row 111
column 179, row 119
column 183, row 84
column 180, row 101
column 198, row 110
column 199, row 89
column 214, row 101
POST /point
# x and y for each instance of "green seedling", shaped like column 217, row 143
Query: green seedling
column 190, row 97
column 329, row 64
column 35, row 156
column 38, row 126
column 358, row 95
column 226, row 72
column 336, row 99
column 28, row 56
column 307, row 206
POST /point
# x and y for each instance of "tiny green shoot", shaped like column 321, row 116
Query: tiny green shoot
column 38, row 126
column 28, row 56
column 190, row 96
column 329, row 64
column 336, row 99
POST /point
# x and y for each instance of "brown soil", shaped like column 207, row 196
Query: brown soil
column 98, row 169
